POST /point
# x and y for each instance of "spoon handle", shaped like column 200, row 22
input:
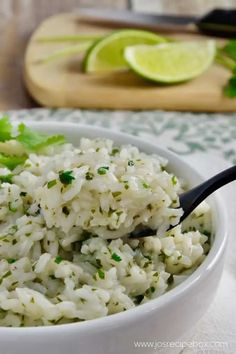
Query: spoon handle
column 191, row 199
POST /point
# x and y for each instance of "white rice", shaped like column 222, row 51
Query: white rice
column 65, row 255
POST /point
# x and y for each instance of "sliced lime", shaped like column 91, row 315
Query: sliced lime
column 171, row 62
column 107, row 54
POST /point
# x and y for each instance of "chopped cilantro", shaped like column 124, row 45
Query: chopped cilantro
column 145, row 185
column 116, row 194
column 66, row 177
column 66, row 210
column 52, row 183
column 115, row 257
column 130, row 163
column 11, row 260
column 58, row 259
column 89, row 176
column 115, row 151
column 5, row 128
column 6, row 178
column 102, row 170
column 101, row 274
column 34, row 141
column 174, row 180
column 23, row 194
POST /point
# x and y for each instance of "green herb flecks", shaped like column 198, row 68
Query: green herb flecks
column 130, row 163
column 11, row 260
column 115, row 151
column 23, row 194
column 102, row 170
column 66, row 210
column 116, row 194
column 89, row 176
column 66, row 177
column 115, row 257
column 174, row 180
column 101, row 273
column 52, row 183
column 58, row 259
column 145, row 185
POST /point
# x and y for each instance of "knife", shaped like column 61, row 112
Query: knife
column 218, row 22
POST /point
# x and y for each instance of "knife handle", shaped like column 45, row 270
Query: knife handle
column 219, row 23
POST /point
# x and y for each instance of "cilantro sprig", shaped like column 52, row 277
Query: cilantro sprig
column 5, row 129
column 34, row 141
column 29, row 139
column 226, row 56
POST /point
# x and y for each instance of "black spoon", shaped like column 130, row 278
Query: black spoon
column 192, row 198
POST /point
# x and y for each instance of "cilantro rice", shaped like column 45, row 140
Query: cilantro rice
column 65, row 216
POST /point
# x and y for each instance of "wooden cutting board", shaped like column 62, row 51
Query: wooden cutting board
column 62, row 83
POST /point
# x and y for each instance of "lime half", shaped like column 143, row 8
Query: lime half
column 171, row 62
column 107, row 54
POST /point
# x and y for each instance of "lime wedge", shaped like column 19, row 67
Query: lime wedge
column 107, row 54
column 171, row 62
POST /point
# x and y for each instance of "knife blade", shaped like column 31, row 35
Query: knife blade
column 218, row 22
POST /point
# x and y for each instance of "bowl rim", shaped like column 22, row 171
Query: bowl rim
column 131, row 315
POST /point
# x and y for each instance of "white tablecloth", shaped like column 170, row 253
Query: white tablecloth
column 208, row 142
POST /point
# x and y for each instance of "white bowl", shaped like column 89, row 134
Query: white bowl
column 164, row 319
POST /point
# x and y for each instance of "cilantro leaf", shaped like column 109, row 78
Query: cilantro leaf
column 174, row 180
column 6, row 178
column 11, row 161
column 66, row 177
column 115, row 257
column 102, row 170
column 34, row 141
column 58, row 259
column 11, row 260
column 5, row 129
column 101, row 273
column 230, row 49
column 52, row 183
